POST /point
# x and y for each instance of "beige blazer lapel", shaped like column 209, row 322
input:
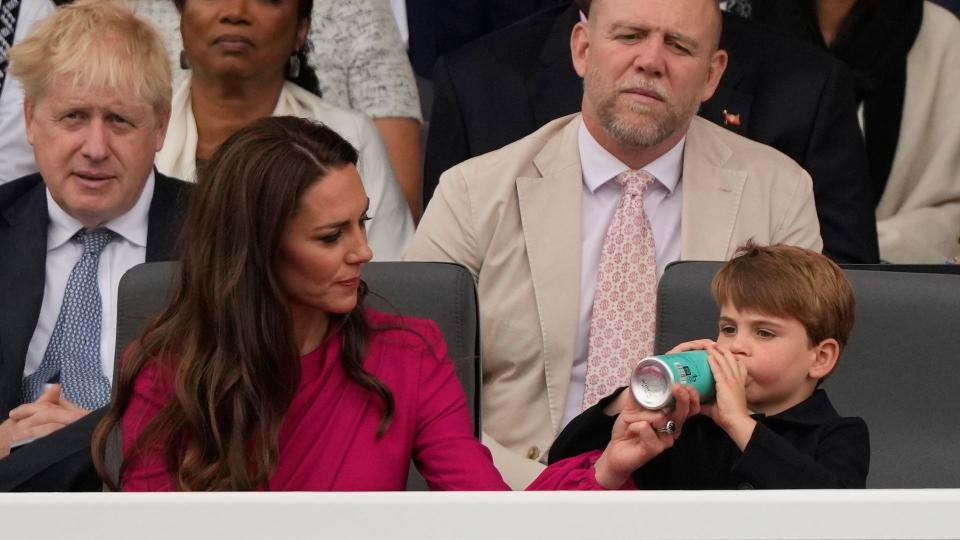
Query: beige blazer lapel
column 711, row 196
column 550, row 218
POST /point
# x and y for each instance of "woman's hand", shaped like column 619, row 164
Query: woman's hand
column 730, row 409
column 638, row 436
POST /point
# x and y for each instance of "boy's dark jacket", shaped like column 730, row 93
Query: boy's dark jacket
column 806, row 446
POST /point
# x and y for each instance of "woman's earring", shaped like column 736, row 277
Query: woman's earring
column 293, row 67
column 184, row 61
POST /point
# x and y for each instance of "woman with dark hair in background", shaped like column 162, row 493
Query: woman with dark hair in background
column 247, row 62
column 265, row 370
column 905, row 56
column 361, row 64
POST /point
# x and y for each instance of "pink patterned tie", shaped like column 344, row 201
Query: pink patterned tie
column 625, row 301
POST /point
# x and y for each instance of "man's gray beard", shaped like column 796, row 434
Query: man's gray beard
column 643, row 135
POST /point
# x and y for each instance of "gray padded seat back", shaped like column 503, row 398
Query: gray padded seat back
column 439, row 291
column 899, row 370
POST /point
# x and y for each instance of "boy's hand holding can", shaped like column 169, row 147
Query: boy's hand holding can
column 730, row 411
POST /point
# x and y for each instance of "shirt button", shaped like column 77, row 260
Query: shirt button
column 533, row 453
column 744, row 485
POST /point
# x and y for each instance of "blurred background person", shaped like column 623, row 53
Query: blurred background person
column 905, row 56
column 265, row 370
column 242, row 56
column 360, row 63
column 16, row 155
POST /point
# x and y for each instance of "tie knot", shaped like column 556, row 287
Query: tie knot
column 94, row 241
column 634, row 182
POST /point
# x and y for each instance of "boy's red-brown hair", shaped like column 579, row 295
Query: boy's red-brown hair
column 788, row 281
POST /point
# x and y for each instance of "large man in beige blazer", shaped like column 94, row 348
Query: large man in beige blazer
column 515, row 217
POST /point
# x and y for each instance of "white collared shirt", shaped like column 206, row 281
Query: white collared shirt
column 663, row 204
column 128, row 249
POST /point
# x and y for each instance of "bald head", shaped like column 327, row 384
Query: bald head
column 712, row 6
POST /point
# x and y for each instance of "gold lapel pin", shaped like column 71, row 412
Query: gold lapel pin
column 731, row 119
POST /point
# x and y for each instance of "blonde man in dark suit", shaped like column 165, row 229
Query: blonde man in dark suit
column 96, row 99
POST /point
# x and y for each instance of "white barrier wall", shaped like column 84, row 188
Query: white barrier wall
column 814, row 514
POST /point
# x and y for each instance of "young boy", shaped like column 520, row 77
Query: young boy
column 785, row 315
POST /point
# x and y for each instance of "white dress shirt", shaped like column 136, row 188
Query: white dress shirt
column 16, row 154
column 128, row 249
column 663, row 204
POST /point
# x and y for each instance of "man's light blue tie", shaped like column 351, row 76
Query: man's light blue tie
column 74, row 348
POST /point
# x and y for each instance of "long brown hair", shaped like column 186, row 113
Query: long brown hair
column 225, row 338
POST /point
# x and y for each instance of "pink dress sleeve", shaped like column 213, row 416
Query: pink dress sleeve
column 573, row 473
column 145, row 468
column 446, row 452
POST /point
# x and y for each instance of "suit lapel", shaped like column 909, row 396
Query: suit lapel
column 711, row 195
column 24, row 239
column 555, row 89
column 550, row 217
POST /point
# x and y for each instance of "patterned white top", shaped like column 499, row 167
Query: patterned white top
column 16, row 154
column 357, row 53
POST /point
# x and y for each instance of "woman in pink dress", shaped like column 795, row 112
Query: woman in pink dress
column 265, row 370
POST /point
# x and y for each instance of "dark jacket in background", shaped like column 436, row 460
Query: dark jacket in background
column 439, row 27
column 952, row 5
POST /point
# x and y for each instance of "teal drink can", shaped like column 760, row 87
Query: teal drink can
column 653, row 378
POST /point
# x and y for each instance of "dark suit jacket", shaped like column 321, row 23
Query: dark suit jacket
column 807, row 446
column 789, row 95
column 23, row 238
column 23, row 241
column 439, row 27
